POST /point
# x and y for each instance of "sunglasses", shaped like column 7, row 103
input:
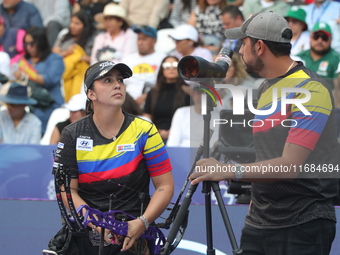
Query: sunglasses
column 168, row 65
column 29, row 44
column 323, row 36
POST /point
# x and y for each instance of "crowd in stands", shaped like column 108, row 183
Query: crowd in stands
column 47, row 45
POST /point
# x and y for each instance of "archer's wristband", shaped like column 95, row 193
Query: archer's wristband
column 145, row 221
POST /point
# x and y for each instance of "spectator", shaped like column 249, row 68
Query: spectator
column 5, row 65
column 321, row 58
column 76, row 106
column 11, row 41
column 43, row 68
column 326, row 11
column 131, row 106
column 232, row 17
column 166, row 97
column 19, row 14
column 145, row 63
column 325, row 61
column 254, row 6
column 236, row 76
column 16, row 125
column 146, row 12
column 296, row 19
column 206, row 17
column 187, row 124
column 187, row 43
column 75, row 47
column 181, row 12
column 118, row 40
column 94, row 8
column 55, row 14
column 235, row 2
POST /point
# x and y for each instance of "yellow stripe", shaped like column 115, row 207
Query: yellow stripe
column 130, row 136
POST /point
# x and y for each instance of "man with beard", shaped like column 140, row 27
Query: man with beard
column 321, row 58
column 326, row 11
column 291, row 211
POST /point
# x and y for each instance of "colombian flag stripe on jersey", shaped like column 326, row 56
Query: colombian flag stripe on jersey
column 140, row 141
column 304, row 129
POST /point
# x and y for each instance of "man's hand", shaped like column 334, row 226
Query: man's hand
column 209, row 169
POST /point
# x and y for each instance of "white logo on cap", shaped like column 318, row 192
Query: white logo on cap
column 322, row 25
column 105, row 64
column 103, row 72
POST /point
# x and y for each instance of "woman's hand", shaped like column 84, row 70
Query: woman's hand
column 18, row 74
column 112, row 238
column 69, row 50
column 135, row 230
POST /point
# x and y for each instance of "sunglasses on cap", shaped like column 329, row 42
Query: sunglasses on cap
column 168, row 65
column 323, row 36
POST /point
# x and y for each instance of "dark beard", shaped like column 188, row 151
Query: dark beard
column 320, row 52
column 255, row 67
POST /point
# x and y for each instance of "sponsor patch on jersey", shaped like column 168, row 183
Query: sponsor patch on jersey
column 84, row 144
column 125, row 147
column 61, row 145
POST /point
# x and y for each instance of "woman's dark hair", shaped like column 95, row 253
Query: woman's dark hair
column 203, row 4
column 125, row 25
column 40, row 39
column 187, row 5
column 131, row 106
column 159, row 88
column 88, row 30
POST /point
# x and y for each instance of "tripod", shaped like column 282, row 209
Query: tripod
column 207, row 187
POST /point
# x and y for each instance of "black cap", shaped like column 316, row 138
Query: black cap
column 101, row 68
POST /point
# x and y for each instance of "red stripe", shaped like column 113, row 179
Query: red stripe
column 269, row 122
column 303, row 137
column 157, row 167
column 111, row 173
column 165, row 170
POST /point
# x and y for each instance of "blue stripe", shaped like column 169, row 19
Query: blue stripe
column 317, row 123
column 157, row 156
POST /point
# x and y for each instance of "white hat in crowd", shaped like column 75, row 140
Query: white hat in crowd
column 115, row 10
column 76, row 103
column 183, row 32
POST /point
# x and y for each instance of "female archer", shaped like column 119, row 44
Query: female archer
column 110, row 152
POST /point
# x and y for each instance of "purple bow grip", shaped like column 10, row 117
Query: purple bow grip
column 106, row 220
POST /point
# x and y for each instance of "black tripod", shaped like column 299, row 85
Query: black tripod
column 207, row 187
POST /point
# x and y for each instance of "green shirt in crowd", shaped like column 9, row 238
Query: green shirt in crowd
column 328, row 66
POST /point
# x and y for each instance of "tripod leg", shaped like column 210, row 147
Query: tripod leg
column 225, row 217
column 208, row 218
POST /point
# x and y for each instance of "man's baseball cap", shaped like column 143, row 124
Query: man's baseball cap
column 100, row 69
column 147, row 30
column 267, row 26
column 183, row 32
column 322, row 26
column 76, row 103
